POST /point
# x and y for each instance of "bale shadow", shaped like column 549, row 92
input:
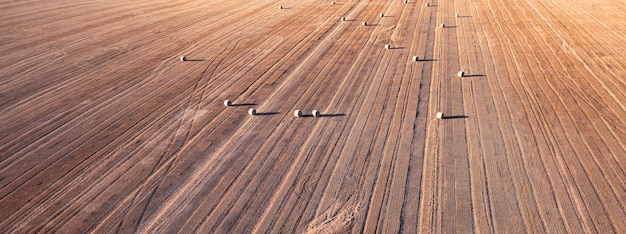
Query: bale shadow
column 426, row 60
column 473, row 75
column 451, row 26
column 332, row 115
column 194, row 60
column 373, row 25
column 455, row 117
column 397, row 48
column 322, row 115
column 464, row 16
column 267, row 113
column 243, row 104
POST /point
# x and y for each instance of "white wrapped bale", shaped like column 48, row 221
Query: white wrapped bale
column 461, row 74
column 387, row 46
column 183, row 58
column 439, row 115
column 364, row 23
column 415, row 58
column 252, row 111
column 443, row 25
column 427, row 4
column 227, row 103
column 297, row 113
column 316, row 113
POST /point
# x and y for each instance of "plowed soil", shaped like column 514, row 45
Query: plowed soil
column 104, row 129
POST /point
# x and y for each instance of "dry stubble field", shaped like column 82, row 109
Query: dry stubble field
column 104, row 129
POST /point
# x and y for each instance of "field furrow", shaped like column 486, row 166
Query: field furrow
column 105, row 128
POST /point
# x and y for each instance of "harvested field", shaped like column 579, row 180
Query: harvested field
column 105, row 129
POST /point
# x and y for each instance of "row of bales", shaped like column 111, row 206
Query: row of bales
column 316, row 113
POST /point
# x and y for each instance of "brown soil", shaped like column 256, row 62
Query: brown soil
column 104, row 129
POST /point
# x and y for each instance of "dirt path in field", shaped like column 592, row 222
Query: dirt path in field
column 104, row 129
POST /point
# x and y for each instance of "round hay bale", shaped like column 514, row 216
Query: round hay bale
column 439, row 115
column 461, row 74
column 332, row 3
column 427, row 4
column 227, row 103
column 364, row 23
column 457, row 15
column 183, row 58
column 382, row 14
column 343, row 18
column 280, row 7
column 252, row 111
column 316, row 113
column 387, row 46
column 406, row 1
column 443, row 25
column 297, row 113
column 415, row 58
